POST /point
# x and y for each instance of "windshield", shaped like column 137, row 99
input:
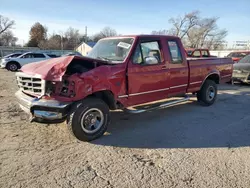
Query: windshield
column 245, row 59
column 12, row 55
column 113, row 49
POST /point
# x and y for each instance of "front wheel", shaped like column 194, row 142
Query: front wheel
column 208, row 93
column 12, row 66
column 88, row 119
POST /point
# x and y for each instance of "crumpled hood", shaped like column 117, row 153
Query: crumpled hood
column 242, row 66
column 52, row 69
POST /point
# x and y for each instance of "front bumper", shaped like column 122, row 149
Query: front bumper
column 41, row 110
column 2, row 64
column 241, row 76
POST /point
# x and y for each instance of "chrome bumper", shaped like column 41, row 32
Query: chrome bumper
column 41, row 110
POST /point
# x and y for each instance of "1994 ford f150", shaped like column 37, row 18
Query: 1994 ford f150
column 119, row 73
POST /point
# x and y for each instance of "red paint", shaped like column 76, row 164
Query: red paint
column 126, row 79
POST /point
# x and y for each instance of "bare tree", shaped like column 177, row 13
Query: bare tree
column 206, row 34
column 195, row 31
column 5, row 24
column 160, row 32
column 67, row 40
column 71, row 38
column 105, row 32
column 54, row 42
column 8, row 39
column 182, row 25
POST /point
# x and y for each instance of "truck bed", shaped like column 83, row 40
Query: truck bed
column 200, row 67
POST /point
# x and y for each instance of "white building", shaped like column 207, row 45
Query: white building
column 85, row 48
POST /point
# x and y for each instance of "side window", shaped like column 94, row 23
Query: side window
column 175, row 52
column 197, row 53
column 242, row 54
column 147, row 53
column 204, row 53
column 39, row 56
column 236, row 55
column 28, row 56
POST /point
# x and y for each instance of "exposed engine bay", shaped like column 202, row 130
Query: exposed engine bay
column 66, row 87
column 80, row 66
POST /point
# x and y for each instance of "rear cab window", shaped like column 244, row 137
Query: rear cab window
column 197, row 53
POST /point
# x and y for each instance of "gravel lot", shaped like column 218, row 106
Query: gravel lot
column 183, row 146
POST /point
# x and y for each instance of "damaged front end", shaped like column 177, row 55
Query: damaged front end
column 43, row 110
column 48, row 89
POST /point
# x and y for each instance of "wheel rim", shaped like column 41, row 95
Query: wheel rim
column 92, row 120
column 13, row 67
column 210, row 93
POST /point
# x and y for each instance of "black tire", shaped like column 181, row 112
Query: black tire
column 82, row 111
column 208, row 93
column 12, row 66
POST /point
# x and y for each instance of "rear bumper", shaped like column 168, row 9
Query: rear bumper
column 41, row 110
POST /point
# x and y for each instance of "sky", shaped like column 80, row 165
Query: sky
column 126, row 16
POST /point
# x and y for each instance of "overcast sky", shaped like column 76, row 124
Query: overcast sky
column 126, row 16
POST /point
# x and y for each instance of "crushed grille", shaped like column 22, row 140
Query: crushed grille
column 31, row 84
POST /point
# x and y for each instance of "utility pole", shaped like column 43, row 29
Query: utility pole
column 86, row 33
column 61, row 43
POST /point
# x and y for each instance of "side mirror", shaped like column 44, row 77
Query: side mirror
column 151, row 60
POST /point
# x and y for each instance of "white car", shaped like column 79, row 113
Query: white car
column 13, row 64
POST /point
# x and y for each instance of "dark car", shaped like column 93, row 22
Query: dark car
column 241, row 70
column 73, row 54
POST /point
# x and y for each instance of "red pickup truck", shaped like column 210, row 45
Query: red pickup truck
column 119, row 73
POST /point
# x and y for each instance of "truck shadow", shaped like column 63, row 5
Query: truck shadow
column 224, row 124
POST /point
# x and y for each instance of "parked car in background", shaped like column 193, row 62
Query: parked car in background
column 241, row 70
column 53, row 55
column 118, row 73
column 15, row 63
column 73, row 54
column 198, row 53
column 236, row 56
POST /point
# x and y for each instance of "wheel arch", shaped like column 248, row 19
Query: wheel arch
column 107, row 96
column 214, row 76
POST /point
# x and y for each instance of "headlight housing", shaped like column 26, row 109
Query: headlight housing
column 3, row 62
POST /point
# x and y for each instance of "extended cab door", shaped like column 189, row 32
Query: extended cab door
column 178, row 67
column 147, row 72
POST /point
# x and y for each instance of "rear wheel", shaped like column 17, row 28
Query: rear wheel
column 12, row 66
column 89, row 119
column 208, row 93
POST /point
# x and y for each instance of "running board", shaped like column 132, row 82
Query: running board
column 164, row 105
